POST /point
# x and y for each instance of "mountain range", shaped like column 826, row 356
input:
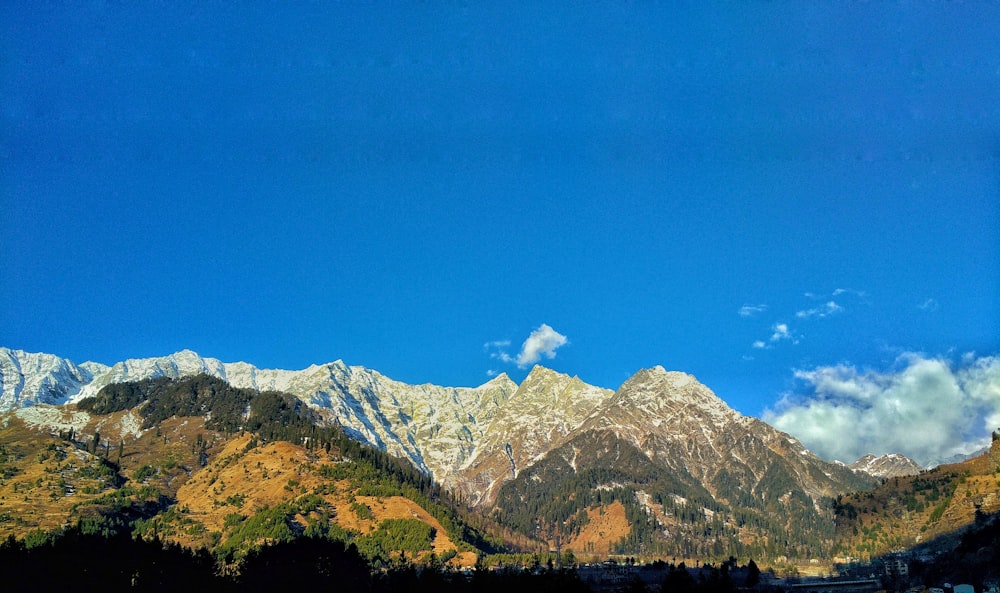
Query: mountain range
column 660, row 465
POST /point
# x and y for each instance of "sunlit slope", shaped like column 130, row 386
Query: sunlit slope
column 934, row 507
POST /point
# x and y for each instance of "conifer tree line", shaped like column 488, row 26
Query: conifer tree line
column 82, row 561
column 89, row 561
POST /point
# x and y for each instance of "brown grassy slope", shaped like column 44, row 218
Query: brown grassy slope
column 47, row 482
column 42, row 485
column 907, row 511
column 606, row 525
column 40, row 479
column 398, row 507
column 244, row 480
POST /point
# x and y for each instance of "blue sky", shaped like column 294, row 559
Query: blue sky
column 749, row 192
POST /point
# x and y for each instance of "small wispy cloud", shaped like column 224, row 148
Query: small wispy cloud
column 929, row 306
column 823, row 305
column 858, row 293
column 824, row 310
column 543, row 341
column 780, row 332
column 752, row 310
column 497, row 350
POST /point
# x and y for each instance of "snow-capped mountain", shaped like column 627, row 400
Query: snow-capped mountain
column 436, row 428
column 678, row 422
column 891, row 465
column 473, row 439
column 695, row 475
column 27, row 379
column 663, row 445
column 545, row 410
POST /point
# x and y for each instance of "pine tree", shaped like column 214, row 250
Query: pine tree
column 753, row 574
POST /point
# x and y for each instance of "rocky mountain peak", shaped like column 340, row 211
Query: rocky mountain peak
column 540, row 376
column 556, row 392
column 502, row 378
column 544, row 410
column 671, row 394
column 890, row 465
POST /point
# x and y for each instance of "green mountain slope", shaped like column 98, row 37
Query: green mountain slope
column 199, row 462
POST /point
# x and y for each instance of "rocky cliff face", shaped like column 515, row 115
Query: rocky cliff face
column 546, row 409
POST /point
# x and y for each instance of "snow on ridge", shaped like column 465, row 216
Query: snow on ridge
column 409, row 421
column 52, row 418
column 27, row 379
column 886, row 466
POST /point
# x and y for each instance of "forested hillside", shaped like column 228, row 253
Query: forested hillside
column 932, row 509
column 667, row 511
column 201, row 463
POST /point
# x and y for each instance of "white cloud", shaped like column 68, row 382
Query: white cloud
column 502, row 357
column 751, row 310
column 929, row 306
column 824, row 310
column 780, row 332
column 922, row 408
column 542, row 341
column 858, row 293
column 497, row 350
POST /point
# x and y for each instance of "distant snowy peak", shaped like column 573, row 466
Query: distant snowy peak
column 544, row 408
column 891, row 465
column 27, row 378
